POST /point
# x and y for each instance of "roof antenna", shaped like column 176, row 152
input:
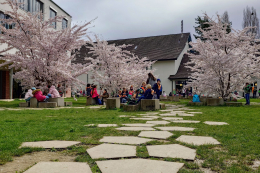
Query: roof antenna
column 181, row 28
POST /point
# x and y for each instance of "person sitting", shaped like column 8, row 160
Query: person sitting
column 88, row 90
column 158, row 88
column 143, row 88
column 195, row 98
column 39, row 96
column 104, row 96
column 53, row 92
column 124, row 95
column 137, row 94
column 148, row 93
column 29, row 94
column 131, row 91
column 120, row 95
column 95, row 94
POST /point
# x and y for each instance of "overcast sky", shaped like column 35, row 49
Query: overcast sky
column 119, row 19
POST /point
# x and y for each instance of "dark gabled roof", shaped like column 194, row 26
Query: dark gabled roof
column 159, row 48
column 183, row 72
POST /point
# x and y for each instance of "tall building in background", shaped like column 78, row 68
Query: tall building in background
column 8, row 87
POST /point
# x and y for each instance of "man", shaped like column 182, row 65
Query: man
column 158, row 88
column 247, row 90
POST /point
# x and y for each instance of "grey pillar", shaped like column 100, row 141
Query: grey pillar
column 11, row 83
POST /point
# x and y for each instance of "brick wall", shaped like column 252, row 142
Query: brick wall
column 5, row 85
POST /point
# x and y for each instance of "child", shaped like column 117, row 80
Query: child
column 95, row 94
column 29, row 94
column 148, row 93
column 131, row 91
column 39, row 96
column 158, row 88
column 53, row 92
column 142, row 89
column 88, row 90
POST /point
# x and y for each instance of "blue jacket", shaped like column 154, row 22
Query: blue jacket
column 195, row 98
column 148, row 94
column 155, row 88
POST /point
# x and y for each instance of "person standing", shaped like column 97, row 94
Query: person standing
column 247, row 90
column 157, row 87
column 254, row 92
column 151, row 79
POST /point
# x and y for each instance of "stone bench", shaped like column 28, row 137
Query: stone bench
column 113, row 103
column 234, row 104
column 90, row 101
column 162, row 98
column 190, row 97
column 215, row 101
column 173, row 98
column 122, row 104
column 131, row 108
column 162, row 106
column 150, row 104
column 33, row 103
column 47, row 104
column 196, row 104
column 59, row 101
column 181, row 97
column 24, row 104
column 68, row 103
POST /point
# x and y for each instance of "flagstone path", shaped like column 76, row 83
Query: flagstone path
column 124, row 140
column 197, row 140
column 155, row 134
column 215, row 123
column 50, row 144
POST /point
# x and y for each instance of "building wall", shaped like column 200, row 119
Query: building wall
column 5, row 87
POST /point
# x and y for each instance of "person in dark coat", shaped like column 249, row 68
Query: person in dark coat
column 158, row 88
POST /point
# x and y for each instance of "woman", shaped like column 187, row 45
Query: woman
column 131, row 91
column 53, row 92
column 95, row 95
column 105, row 95
column 151, row 79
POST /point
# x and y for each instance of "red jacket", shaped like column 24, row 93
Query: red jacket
column 94, row 93
column 38, row 95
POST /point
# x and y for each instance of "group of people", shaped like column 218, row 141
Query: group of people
column 184, row 92
column 37, row 93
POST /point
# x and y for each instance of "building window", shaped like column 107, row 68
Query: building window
column 64, row 23
column 4, row 16
column 31, row 5
column 52, row 15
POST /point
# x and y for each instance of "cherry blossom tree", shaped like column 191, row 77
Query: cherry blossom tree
column 42, row 54
column 224, row 62
column 114, row 67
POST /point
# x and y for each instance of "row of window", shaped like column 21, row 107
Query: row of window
column 36, row 6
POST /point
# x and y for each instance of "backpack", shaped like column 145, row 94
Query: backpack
column 195, row 98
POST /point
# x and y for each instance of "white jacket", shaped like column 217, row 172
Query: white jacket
column 28, row 94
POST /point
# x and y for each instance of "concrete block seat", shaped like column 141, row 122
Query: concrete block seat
column 131, row 108
column 122, row 104
column 233, row 103
column 173, row 98
column 113, row 103
column 215, row 101
column 33, row 103
column 67, row 103
column 162, row 98
column 90, row 101
column 24, row 104
column 195, row 103
column 150, row 104
column 162, row 106
column 47, row 104
column 59, row 101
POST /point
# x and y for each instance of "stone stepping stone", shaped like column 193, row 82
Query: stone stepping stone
column 197, row 140
column 50, row 144
column 215, row 123
column 124, row 140
column 185, row 121
column 172, row 151
column 94, row 107
column 185, row 115
column 178, row 111
column 172, row 119
column 155, row 117
column 168, row 115
column 56, row 167
column 183, row 129
column 152, row 113
column 103, row 125
column 135, row 128
column 139, row 125
column 121, row 116
column 156, row 134
column 158, row 122
column 109, row 151
column 167, row 110
column 143, row 118
column 195, row 112
column 77, row 107
column 138, row 166
column 10, row 109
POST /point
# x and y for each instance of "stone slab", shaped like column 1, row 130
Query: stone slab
column 67, row 103
column 183, row 129
column 158, row 122
column 107, row 125
column 58, row 167
column 23, row 104
column 197, row 140
column 156, row 134
column 131, row 108
column 113, row 103
column 109, row 151
column 151, row 116
column 168, row 115
column 59, row 101
column 215, row 123
column 172, row 151
column 143, row 118
column 50, row 144
column 47, row 104
column 185, row 115
column 195, row 112
column 127, row 116
column 94, row 107
column 196, row 104
column 177, row 112
column 167, row 110
column 162, row 106
column 138, row 166
column 33, row 103
column 185, row 121
column 132, row 140
column 90, row 101
column 150, row 104
column 215, row 101
column 139, row 125
column 152, row 113
column 134, row 128
column 172, row 119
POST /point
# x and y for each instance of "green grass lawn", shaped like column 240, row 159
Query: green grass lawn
column 240, row 140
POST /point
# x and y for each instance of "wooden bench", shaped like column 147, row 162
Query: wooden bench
column 150, row 104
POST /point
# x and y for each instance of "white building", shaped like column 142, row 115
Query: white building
column 167, row 50
column 8, row 87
